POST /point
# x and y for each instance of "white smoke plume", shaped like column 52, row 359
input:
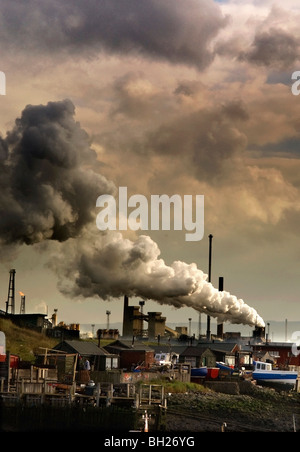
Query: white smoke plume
column 49, row 185
column 110, row 266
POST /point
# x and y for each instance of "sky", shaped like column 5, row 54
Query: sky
column 190, row 97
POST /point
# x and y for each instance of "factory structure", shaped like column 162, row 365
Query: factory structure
column 37, row 322
column 136, row 323
column 145, row 331
column 151, row 325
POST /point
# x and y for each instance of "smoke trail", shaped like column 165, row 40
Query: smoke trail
column 109, row 266
column 48, row 191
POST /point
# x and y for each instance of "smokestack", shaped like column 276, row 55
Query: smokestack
column 209, row 280
column 126, row 319
column 107, row 324
column 22, row 305
column 259, row 332
column 125, row 303
column 54, row 318
column 142, row 304
column 220, row 325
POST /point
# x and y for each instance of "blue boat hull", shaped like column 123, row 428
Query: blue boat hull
column 224, row 367
column 276, row 377
column 199, row 372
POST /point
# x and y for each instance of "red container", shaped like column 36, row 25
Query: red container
column 14, row 361
column 212, row 372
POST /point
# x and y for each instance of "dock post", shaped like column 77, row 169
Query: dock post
column 98, row 394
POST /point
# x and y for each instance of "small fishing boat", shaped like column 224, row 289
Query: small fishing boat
column 199, row 371
column 264, row 372
column 223, row 366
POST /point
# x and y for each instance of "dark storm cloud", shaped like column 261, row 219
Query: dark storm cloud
column 209, row 139
column 48, row 189
column 175, row 31
column 134, row 96
column 3, row 151
column 273, row 48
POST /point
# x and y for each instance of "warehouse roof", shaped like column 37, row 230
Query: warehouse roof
column 84, row 348
column 195, row 351
column 128, row 345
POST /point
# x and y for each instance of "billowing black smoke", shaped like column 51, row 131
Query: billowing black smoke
column 48, row 185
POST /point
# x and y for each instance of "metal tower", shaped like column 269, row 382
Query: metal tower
column 11, row 292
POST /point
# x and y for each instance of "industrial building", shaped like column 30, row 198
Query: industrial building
column 37, row 322
column 151, row 325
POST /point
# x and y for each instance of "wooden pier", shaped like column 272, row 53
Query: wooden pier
column 71, row 402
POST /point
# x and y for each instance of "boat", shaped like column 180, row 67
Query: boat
column 199, row 371
column 264, row 372
column 209, row 373
column 166, row 359
column 223, row 366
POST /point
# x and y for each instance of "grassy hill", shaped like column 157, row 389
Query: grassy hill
column 24, row 342
column 27, row 343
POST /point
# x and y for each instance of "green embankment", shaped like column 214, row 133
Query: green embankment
column 24, row 342
column 27, row 343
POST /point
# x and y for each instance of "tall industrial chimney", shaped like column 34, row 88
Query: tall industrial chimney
column 220, row 325
column 22, row 304
column 54, row 318
column 107, row 323
column 209, row 280
column 126, row 317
